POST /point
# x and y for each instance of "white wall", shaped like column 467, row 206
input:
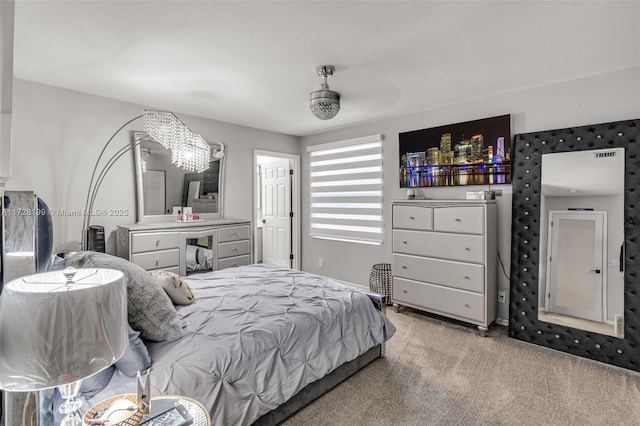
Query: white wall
column 598, row 99
column 58, row 134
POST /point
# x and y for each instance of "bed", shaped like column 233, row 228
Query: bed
column 259, row 343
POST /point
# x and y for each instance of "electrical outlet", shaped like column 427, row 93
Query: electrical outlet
column 502, row 297
column 321, row 262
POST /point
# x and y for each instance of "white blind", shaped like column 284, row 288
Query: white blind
column 346, row 190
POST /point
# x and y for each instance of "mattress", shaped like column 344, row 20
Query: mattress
column 255, row 336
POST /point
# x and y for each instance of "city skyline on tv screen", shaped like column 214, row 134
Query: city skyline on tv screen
column 474, row 152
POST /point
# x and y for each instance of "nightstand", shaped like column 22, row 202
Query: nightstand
column 199, row 413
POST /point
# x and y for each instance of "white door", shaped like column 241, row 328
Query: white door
column 276, row 209
column 154, row 192
column 576, row 263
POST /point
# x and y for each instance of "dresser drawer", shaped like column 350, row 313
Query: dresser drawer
column 233, row 233
column 413, row 217
column 447, row 301
column 154, row 241
column 157, row 259
column 232, row 262
column 466, row 248
column 235, row 248
column 465, row 220
column 464, row 276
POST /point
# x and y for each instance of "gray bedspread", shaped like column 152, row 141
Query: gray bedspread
column 257, row 335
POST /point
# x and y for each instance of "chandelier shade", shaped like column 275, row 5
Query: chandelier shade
column 189, row 150
column 325, row 103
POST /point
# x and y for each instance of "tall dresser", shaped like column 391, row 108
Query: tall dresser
column 166, row 245
column 445, row 258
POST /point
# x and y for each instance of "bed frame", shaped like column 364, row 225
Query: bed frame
column 318, row 388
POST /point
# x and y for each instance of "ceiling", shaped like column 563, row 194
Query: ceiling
column 253, row 63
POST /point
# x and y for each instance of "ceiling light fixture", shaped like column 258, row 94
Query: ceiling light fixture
column 325, row 103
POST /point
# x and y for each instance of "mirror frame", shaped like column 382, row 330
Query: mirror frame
column 137, row 136
column 526, row 163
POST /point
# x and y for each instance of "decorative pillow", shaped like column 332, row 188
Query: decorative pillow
column 150, row 310
column 94, row 384
column 136, row 356
column 179, row 291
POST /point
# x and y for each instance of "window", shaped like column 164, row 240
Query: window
column 346, row 190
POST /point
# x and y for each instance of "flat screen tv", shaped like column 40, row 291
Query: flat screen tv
column 475, row 152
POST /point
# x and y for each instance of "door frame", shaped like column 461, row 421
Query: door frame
column 551, row 240
column 295, row 202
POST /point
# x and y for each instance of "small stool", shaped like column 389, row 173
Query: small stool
column 380, row 280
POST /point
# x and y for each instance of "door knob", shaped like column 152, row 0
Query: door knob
column 597, row 271
column 264, row 220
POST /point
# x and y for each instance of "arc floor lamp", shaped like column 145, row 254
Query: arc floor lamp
column 188, row 151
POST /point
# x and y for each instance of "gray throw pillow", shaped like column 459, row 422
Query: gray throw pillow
column 135, row 358
column 149, row 308
column 94, row 384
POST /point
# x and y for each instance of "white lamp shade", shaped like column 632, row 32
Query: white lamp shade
column 52, row 335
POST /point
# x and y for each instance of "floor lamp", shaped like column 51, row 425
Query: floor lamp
column 188, row 151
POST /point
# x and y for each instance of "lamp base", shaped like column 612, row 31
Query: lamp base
column 71, row 405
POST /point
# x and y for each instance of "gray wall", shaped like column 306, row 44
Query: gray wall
column 597, row 99
column 58, row 134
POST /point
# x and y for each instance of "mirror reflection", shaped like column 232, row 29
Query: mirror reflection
column 581, row 280
column 164, row 189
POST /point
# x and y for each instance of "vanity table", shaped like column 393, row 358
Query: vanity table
column 164, row 245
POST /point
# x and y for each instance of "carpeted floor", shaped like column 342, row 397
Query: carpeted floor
column 441, row 373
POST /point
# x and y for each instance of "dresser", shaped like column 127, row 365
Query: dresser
column 168, row 245
column 445, row 258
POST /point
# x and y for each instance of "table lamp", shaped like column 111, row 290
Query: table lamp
column 57, row 328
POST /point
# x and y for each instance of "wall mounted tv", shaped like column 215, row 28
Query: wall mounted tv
column 475, row 152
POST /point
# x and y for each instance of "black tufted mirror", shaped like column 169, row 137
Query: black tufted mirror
column 525, row 244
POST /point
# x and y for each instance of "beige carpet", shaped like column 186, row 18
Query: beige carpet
column 440, row 373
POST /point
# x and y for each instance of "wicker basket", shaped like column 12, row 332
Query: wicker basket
column 133, row 419
column 380, row 280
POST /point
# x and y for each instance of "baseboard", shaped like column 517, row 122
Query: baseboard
column 502, row 321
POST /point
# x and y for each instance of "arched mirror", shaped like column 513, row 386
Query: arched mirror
column 163, row 189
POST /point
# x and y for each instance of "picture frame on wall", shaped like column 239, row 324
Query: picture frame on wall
column 476, row 152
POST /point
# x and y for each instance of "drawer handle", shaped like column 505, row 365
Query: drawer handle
column 466, row 277
column 458, row 219
column 234, row 233
column 157, row 243
column 466, row 305
column 404, row 266
column 405, row 291
column 411, row 217
column 157, row 262
column 404, row 242
column 234, row 265
column 235, row 249
column 467, row 249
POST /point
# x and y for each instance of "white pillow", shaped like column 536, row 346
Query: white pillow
column 178, row 291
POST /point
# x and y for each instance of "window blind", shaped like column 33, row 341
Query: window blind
column 346, row 190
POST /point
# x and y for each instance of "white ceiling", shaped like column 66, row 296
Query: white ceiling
column 253, row 63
